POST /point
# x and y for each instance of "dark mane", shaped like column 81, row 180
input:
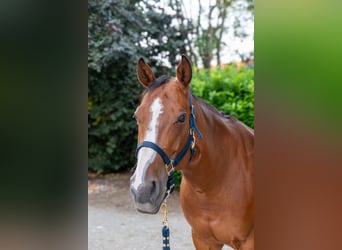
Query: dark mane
column 214, row 110
column 158, row 82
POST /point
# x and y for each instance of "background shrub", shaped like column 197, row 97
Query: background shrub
column 228, row 89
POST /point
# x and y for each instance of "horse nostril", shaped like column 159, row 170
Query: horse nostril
column 154, row 191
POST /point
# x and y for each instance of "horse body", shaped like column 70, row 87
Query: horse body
column 217, row 187
column 217, row 201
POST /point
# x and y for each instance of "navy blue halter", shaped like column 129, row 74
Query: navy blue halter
column 170, row 164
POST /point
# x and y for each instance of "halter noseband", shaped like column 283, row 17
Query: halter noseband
column 170, row 164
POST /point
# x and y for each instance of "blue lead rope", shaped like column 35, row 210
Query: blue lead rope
column 166, row 237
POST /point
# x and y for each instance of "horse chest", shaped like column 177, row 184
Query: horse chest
column 211, row 221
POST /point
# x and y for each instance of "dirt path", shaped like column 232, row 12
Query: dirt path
column 114, row 224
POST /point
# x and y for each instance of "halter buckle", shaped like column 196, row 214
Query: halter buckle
column 193, row 143
column 193, row 112
column 170, row 167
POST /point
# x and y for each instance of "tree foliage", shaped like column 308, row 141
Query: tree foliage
column 212, row 24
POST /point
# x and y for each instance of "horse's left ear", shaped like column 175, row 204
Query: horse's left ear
column 184, row 71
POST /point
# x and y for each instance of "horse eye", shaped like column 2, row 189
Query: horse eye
column 181, row 118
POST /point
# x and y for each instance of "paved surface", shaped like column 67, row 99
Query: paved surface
column 114, row 224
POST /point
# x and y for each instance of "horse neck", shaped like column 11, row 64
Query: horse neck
column 209, row 166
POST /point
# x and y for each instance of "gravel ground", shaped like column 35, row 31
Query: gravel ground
column 114, row 224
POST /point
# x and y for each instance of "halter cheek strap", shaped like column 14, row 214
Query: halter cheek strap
column 170, row 164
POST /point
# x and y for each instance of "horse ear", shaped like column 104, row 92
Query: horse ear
column 184, row 71
column 144, row 73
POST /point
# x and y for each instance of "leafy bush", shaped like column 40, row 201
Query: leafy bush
column 228, row 89
column 178, row 178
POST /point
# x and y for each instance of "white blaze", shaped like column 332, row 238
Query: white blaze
column 146, row 155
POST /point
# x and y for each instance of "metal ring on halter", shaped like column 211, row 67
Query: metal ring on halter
column 193, row 141
column 193, row 110
column 170, row 167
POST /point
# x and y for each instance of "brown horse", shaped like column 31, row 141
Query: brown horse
column 217, row 190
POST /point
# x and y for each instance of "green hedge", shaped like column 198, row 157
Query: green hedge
column 229, row 90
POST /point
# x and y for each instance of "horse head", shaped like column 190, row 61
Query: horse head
column 163, row 122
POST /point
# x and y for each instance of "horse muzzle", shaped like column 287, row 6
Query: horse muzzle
column 148, row 196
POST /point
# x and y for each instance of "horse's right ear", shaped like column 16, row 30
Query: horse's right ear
column 144, row 73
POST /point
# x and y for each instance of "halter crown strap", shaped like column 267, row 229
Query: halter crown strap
column 193, row 124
